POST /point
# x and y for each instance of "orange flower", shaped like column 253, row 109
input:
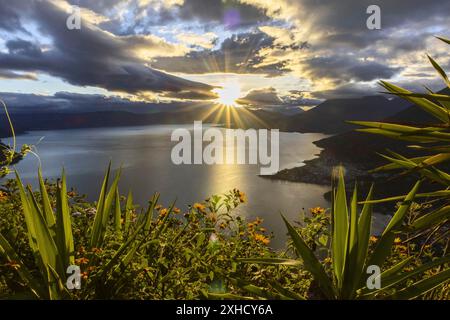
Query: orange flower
column 242, row 197
column 163, row 212
column 96, row 250
column 373, row 239
column 176, row 210
column 200, row 207
column 81, row 261
column 317, row 210
column 261, row 238
column 3, row 196
column 84, row 275
column 13, row 264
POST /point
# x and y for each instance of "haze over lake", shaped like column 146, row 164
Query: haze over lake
column 144, row 153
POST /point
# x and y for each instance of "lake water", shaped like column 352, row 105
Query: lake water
column 144, row 153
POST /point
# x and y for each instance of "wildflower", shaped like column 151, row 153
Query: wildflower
column 158, row 207
column 96, row 250
column 91, row 212
column 71, row 194
column 242, row 197
column 81, row 261
column 13, row 264
column 262, row 229
column 317, row 210
column 327, row 260
column 200, row 207
column 163, row 212
column 3, row 196
column 84, row 275
column 176, row 210
column 397, row 240
column 373, row 239
column 261, row 238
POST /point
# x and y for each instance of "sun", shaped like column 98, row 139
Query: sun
column 228, row 93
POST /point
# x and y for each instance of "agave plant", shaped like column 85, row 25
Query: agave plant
column 437, row 134
column 351, row 258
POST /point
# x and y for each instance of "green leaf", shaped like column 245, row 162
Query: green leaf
column 439, row 70
column 423, row 286
column 128, row 211
column 64, row 237
column 340, row 229
column 383, row 249
column 272, row 261
column 310, row 261
column 11, row 256
column 430, row 219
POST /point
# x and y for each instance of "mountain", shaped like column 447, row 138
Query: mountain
column 58, row 120
column 330, row 116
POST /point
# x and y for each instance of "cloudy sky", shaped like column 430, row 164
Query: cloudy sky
column 264, row 52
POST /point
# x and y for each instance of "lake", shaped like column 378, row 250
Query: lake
column 144, row 154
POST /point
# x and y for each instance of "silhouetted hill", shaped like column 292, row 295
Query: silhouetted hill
column 330, row 117
column 51, row 121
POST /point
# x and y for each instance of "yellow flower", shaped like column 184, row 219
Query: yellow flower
column 3, row 196
column 200, row 207
column 397, row 240
column 242, row 197
column 373, row 239
column 327, row 260
column 158, row 207
column 317, row 210
column 261, row 238
column 163, row 212
column 176, row 210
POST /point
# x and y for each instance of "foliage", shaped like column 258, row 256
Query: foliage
column 8, row 155
column 157, row 253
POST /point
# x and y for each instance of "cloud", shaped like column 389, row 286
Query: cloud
column 75, row 102
column 345, row 69
column 237, row 54
column 205, row 41
column 94, row 57
column 263, row 96
column 6, row 74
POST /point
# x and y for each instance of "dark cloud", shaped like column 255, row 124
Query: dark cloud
column 9, row 18
column 91, row 57
column 231, row 14
column 347, row 68
column 75, row 102
column 6, row 74
column 263, row 96
column 299, row 98
column 238, row 53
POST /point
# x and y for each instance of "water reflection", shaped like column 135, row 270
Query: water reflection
column 144, row 153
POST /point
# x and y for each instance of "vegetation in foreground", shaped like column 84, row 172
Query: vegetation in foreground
column 207, row 252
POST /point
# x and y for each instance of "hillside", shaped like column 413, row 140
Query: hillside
column 330, row 116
